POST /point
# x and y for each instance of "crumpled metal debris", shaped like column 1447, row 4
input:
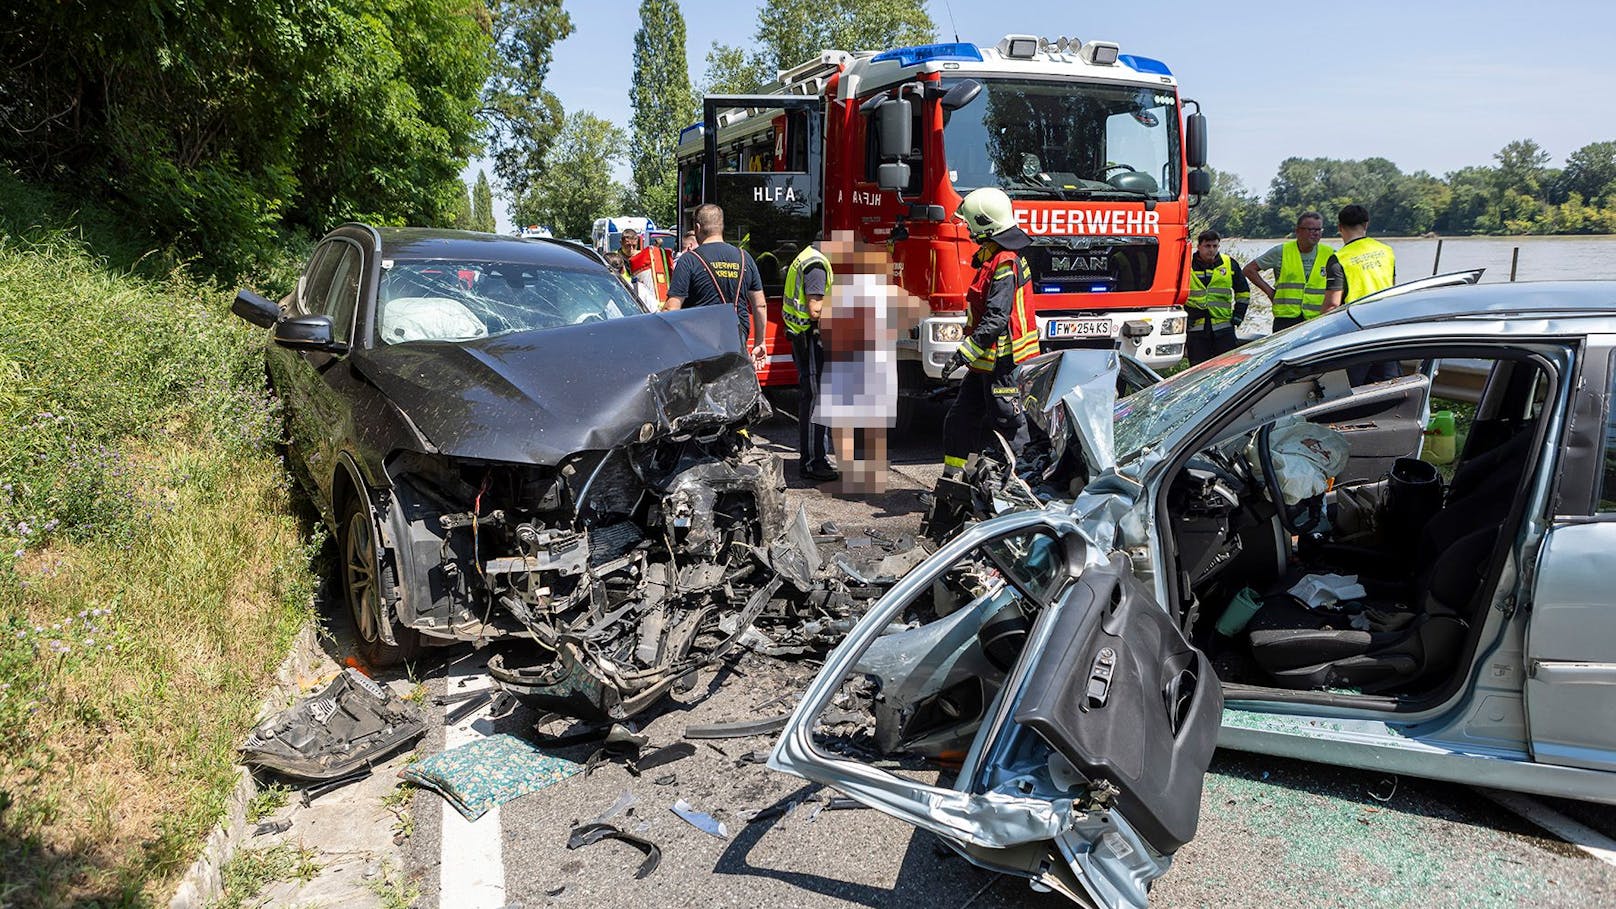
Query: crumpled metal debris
column 353, row 724
column 594, row 832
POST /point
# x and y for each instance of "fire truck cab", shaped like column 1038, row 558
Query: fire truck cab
column 1092, row 145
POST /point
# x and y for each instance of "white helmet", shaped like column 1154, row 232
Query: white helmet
column 988, row 215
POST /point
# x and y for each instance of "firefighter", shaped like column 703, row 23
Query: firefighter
column 1217, row 302
column 1000, row 330
column 807, row 290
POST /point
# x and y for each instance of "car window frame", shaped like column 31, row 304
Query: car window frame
column 346, row 333
column 316, row 262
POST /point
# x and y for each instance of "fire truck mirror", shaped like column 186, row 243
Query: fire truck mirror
column 1195, row 140
column 919, row 212
column 895, row 119
column 961, row 93
column 894, row 175
column 1200, row 183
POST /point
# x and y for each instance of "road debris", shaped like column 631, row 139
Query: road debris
column 344, row 730
column 591, row 833
column 706, row 823
column 488, row 772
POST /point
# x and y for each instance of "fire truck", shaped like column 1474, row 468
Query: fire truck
column 1093, row 146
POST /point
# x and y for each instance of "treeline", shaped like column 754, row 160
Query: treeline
column 223, row 129
column 1518, row 194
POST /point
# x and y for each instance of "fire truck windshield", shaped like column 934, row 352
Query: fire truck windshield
column 1066, row 140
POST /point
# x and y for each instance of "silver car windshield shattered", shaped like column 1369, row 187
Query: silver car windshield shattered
column 1146, row 417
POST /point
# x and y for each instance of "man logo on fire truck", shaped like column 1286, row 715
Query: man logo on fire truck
column 1094, row 148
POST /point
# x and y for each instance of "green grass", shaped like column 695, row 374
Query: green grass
column 251, row 870
column 394, row 890
column 267, row 801
column 153, row 570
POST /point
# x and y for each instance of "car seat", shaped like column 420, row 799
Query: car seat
column 1412, row 634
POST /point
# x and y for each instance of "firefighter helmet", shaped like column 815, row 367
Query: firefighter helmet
column 988, row 215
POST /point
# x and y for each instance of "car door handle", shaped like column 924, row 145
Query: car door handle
column 1568, row 672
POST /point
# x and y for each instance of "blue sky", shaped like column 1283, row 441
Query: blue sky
column 1431, row 86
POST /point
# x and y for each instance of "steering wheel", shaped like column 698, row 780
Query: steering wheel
column 1111, row 167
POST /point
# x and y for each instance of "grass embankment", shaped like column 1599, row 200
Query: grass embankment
column 152, row 568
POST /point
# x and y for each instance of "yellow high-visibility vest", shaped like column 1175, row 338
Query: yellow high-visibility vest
column 1216, row 297
column 1369, row 265
column 794, row 299
column 1295, row 293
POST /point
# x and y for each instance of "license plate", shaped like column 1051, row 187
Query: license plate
column 1080, row 328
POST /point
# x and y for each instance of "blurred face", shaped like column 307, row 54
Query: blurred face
column 689, row 242
column 1207, row 250
column 1308, row 233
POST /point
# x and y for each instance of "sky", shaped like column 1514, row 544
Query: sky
column 1431, row 86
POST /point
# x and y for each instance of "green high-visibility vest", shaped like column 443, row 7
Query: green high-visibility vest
column 794, row 302
column 1216, row 297
column 1295, row 293
column 1369, row 265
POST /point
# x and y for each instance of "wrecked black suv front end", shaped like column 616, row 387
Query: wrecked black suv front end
column 594, row 499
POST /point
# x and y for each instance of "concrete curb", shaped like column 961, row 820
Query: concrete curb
column 203, row 883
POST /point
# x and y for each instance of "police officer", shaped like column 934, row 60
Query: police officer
column 1000, row 330
column 1217, row 302
column 1367, row 265
column 807, row 286
column 1301, row 273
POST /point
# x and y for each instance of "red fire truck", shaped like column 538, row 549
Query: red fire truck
column 1092, row 145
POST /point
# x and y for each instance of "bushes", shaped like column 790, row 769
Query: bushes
column 152, row 572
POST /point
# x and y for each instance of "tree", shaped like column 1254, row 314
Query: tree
column 729, row 72
column 460, row 217
column 1521, row 167
column 1590, row 172
column 790, row 32
column 482, row 206
column 1230, row 208
column 575, row 186
column 520, row 115
column 223, row 124
column 662, row 105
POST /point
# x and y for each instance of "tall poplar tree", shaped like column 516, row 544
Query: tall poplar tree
column 482, row 205
column 662, row 105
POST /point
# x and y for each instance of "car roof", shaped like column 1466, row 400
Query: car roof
column 1495, row 301
column 469, row 246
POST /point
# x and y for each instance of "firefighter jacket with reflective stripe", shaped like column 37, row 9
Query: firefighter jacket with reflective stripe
column 659, row 262
column 1216, row 297
column 794, row 302
column 999, row 321
column 1298, row 294
column 1368, row 265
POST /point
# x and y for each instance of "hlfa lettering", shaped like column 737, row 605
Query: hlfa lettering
column 773, row 194
column 1060, row 221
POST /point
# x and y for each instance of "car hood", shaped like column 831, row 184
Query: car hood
column 539, row 396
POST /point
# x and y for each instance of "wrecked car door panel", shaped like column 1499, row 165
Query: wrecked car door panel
column 1090, row 719
column 1380, row 423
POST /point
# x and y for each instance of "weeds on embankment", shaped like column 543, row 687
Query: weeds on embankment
column 152, row 569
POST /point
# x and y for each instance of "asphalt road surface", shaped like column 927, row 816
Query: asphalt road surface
column 1273, row 832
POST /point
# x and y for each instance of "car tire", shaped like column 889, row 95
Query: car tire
column 365, row 579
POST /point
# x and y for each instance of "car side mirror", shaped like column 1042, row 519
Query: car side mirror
column 1195, row 140
column 308, row 333
column 255, row 309
column 1200, row 182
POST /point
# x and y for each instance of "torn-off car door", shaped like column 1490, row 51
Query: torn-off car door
column 1089, row 719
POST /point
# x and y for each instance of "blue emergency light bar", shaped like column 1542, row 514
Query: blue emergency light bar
column 1144, row 65
column 921, row 53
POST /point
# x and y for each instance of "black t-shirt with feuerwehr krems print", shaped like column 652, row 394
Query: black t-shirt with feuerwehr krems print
column 716, row 272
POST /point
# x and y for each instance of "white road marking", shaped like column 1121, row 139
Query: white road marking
column 1577, row 834
column 472, row 872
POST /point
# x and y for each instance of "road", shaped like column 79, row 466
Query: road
column 1274, row 833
